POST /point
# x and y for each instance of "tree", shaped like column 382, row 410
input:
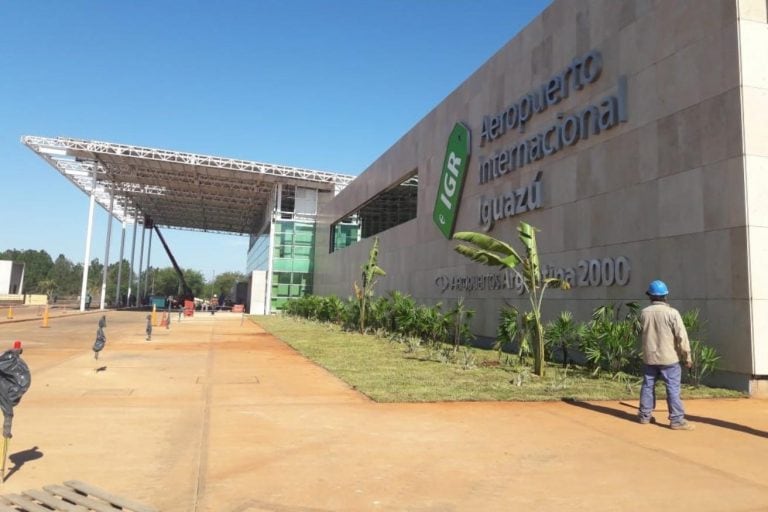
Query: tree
column 195, row 281
column 112, row 273
column 490, row 251
column 167, row 282
column 47, row 286
column 224, row 282
column 94, row 277
column 371, row 271
column 66, row 275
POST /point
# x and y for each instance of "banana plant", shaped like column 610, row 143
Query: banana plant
column 495, row 253
column 371, row 271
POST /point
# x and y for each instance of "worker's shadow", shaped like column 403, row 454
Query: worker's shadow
column 624, row 415
column 20, row 458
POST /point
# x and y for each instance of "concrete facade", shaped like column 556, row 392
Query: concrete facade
column 676, row 191
column 11, row 277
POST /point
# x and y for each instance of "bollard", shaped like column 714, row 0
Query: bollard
column 154, row 315
column 10, row 313
column 45, row 317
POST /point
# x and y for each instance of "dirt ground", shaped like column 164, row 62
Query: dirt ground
column 216, row 415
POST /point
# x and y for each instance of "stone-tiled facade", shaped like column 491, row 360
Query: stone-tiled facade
column 680, row 189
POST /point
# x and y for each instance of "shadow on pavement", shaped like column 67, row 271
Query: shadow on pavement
column 692, row 417
column 616, row 413
column 19, row 458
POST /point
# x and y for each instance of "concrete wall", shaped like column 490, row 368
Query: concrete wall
column 666, row 189
column 5, row 276
column 11, row 277
column 753, row 41
column 257, row 304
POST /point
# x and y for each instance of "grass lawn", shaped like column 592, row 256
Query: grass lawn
column 387, row 371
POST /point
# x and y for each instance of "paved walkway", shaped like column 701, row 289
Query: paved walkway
column 215, row 415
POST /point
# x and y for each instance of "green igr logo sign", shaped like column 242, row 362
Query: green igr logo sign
column 452, row 179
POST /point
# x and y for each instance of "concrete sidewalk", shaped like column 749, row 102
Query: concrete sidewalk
column 214, row 414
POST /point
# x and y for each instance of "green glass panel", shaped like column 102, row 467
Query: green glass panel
column 284, row 265
column 283, row 251
column 305, row 237
column 302, row 265
column 305, row 228
column 305, row 251
column 281, row 277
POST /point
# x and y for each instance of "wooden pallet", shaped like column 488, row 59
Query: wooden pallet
column 73, row 496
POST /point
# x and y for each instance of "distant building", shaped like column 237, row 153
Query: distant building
column 11, row 277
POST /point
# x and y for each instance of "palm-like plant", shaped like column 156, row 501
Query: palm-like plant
column 514, row 329
column 610, row 339
column 564, row 332
column 459, row 319
column 704, row 357
column 371, row 271
column 47, row 286
column 402, row 319
column 492, row 252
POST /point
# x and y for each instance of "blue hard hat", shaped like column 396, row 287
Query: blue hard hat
column 657, row 288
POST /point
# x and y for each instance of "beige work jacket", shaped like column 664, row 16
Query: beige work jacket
column 665, row 340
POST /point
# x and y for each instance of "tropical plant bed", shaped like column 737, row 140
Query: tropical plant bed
column 388, row 371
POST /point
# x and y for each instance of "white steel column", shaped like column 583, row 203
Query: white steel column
column 271, row 249
column 120, row 268
column 105, row 271
column 149, row 254
column 130, row 268
column 141, row 262
column 88, row 233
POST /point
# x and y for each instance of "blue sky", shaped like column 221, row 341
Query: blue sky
column 326, row 85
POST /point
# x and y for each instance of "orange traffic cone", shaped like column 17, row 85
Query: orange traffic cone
column 45, row 317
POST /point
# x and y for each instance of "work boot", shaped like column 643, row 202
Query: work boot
column 681, row 425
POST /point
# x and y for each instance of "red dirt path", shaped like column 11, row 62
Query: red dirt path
column 215, row 415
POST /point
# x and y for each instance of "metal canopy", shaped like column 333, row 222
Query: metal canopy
column 175, row 189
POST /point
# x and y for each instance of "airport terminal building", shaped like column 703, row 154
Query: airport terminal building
column 631, row 134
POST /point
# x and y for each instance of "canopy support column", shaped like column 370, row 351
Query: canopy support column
column 130, row 268
column 120, row 268
column 105, row 270
column 139, row 296
column 88, row 235
column 149, row 254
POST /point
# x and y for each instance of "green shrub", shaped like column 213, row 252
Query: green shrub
column 704, row 357
column 609, row 342
column 563, row 335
